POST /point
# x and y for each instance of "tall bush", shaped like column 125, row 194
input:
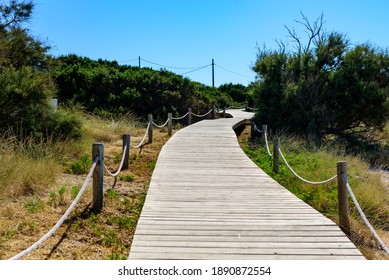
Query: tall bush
column 25, row 83
column 325, row 86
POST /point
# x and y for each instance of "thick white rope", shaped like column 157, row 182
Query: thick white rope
column 363, row 216
column 301, row 178
column 235, row 108
column 62, row 219
column 201, row 116
column 267, row 144
column 161, row 126
column 120, row 166
column 143, row 139
column 256, row 128
column 180, row 118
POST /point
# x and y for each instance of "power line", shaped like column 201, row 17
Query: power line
column 167, row 66
column 202, row 67
column 129, row 60
column 225, row 69
column 191, row 69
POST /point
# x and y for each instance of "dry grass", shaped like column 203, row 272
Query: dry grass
column 24, row 173
column 85, row 235
column 108, row 130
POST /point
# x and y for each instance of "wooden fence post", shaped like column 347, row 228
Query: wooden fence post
column 150, row 117
column 170, row 123
column 264, row 129
column 126, row 142
column 189, row 116
column 98, row 177
column 214, row 112
column 276, row 155
column 344, row 221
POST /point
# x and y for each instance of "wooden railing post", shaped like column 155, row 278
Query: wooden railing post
column 126, row 142
column 170, row 124
column 344, row 220
column 214, row 112
column 276, row 155
column 189, row 116
column 98, row 177
column 150, row 117
column 264, row 129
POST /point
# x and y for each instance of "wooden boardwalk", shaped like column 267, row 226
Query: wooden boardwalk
column 208, row 200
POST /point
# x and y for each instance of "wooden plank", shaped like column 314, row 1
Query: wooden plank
column 315, row 232
column 256, row 238
column 210, row 256
column 207, row 200
column 251, row 250
column 246, row 244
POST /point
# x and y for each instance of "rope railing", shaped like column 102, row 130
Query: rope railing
column 256, row 128
column 235, row 108
column 143, row 139
column 98, row 182
column 363, row 216
column 202, row 116
column 120, row 166
column 267, row 144
column 301, row 178
column 220, row 111
column 344, row 220
column 62, row 219
column 180, row 118
column 161, row 126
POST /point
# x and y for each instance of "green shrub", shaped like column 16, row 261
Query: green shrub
column 25, row 106
column 81, row 166
column 324, row 88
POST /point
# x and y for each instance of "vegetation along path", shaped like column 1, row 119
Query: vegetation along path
column 208, row 200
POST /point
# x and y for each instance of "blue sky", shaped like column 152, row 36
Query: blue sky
column 190, row 33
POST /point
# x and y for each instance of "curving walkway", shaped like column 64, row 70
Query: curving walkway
column 208, row 200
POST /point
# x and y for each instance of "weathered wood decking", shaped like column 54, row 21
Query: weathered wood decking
column 208, row 200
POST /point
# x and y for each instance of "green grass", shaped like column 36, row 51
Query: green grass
column 116, row 256
column 317, row 164
column 151, row 165
column 34, row 205
column 127, row 177
column 75, row 190
column 123, row 222
column 112, row 194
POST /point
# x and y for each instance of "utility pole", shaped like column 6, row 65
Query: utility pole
column 213, row 73
column 139, row 61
